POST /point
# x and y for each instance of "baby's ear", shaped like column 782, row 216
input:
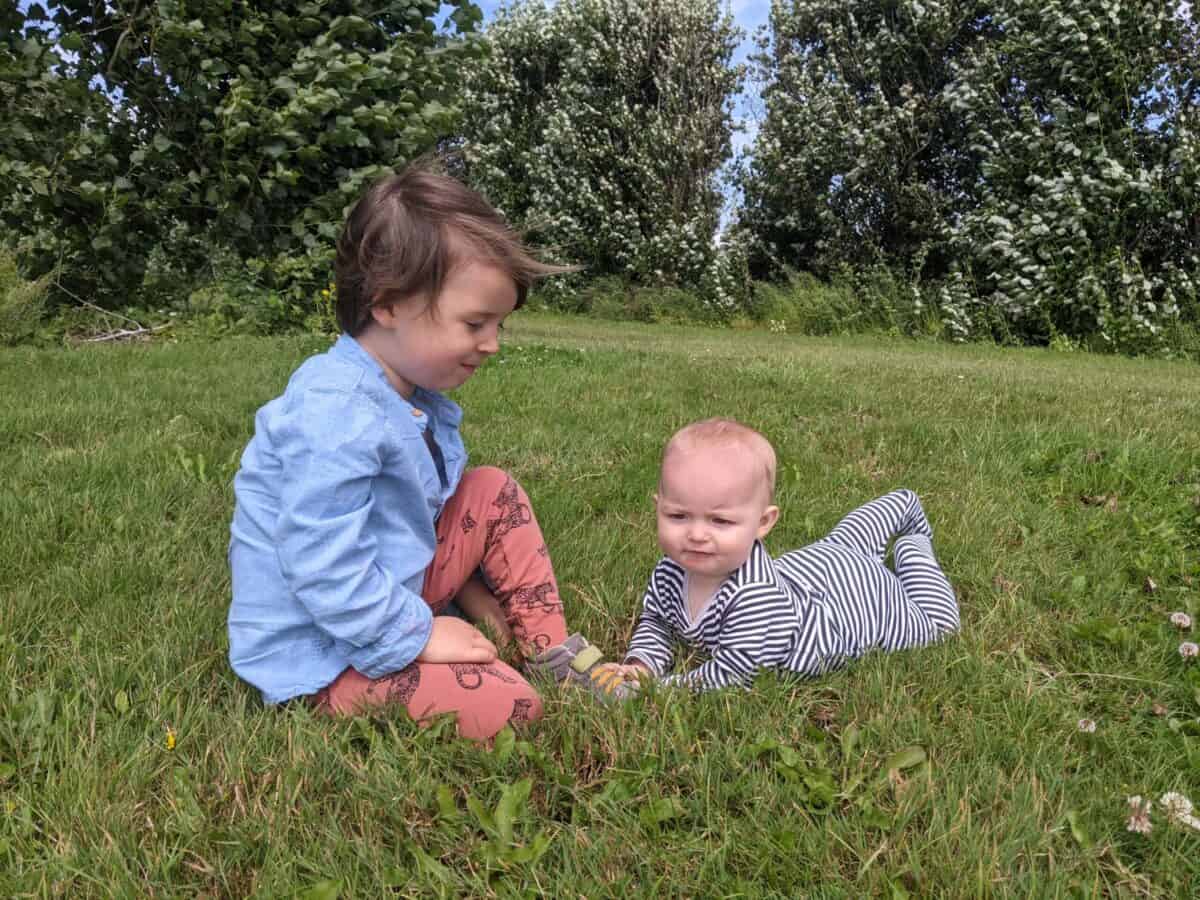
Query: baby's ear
column 769, row 517
column 655, row 497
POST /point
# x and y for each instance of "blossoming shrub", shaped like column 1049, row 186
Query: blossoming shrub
column 1084, row 117
column 857, row 159
column 600, row 126
column 1031, row 165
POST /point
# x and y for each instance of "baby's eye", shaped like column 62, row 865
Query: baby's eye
column 720, row 521
column 675, row 516
column 474, row 326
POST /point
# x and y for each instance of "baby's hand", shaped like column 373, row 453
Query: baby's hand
column 626, row 672
column 454, row 640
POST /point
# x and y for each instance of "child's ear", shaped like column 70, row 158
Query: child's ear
column 384, row 314
column 655, row 496
column 769, row 517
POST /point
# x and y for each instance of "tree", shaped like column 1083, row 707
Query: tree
column 858, row 160
column 1086, row 118
column 1037, row 157
column 249, row 125
column 599, row 127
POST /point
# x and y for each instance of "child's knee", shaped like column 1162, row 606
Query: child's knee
column 527, row 706
column 485, row 477
column 516, row 706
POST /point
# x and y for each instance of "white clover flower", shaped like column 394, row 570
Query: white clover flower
column 1181, row 620
column 1189, row 650
column 1087, row 726
column 1139, row 815
column 1179, row 810
column 1175, row 805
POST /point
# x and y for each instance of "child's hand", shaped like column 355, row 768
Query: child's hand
column 454, row 640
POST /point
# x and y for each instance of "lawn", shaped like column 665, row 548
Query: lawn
column 1064, row 491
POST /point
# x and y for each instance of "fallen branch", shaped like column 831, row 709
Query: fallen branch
column 125, row 333
column 90, row 305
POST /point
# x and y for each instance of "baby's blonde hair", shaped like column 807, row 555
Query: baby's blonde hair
column 722, row 432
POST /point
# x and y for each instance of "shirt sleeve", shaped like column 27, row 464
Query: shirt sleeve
column 653, row 637
column 332, row 448
column 759, row 632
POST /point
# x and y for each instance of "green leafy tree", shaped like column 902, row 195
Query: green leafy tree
column 858, row 160
column 1085, row 115
column 1036, row 160
column 600, row 126
column 187, row 123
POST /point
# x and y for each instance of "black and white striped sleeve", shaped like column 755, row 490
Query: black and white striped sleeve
column 653, row 637
column 759, row 632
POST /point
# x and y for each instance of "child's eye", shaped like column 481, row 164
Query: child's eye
column 720, row 521
column 474, row 326
column 675, row 517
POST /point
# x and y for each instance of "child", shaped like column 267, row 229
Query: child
column 808, row 611
column 357, row 522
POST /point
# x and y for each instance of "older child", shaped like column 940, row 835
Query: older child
column 806, row 612
column 357, row 522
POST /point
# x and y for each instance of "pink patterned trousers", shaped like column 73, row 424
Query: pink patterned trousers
column 488, row 526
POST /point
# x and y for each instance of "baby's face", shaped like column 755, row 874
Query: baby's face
column 712, row 507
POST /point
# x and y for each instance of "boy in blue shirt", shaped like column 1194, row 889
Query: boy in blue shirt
column 357, row 522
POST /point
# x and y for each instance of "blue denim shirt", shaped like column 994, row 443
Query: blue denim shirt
column 333, row 526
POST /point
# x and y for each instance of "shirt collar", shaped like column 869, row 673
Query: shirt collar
column 442, row 408
column 758, row 568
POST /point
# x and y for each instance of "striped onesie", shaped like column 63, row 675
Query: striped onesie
column 811, row 610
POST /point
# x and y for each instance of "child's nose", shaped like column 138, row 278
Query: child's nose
column 490, row 343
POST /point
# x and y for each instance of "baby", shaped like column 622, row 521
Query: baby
column 807, row 612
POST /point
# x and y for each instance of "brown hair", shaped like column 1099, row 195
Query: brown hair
column 409, row 230
column 723, row 432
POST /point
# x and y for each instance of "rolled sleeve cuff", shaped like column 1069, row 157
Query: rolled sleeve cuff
column 398, row 647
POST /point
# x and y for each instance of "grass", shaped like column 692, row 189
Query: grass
column 1056, row 484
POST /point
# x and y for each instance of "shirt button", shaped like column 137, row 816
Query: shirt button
column 417, row 413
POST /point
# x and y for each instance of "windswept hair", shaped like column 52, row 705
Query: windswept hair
column 408, row 232
column 722, row 432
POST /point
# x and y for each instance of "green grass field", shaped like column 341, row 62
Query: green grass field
column 1059, row 486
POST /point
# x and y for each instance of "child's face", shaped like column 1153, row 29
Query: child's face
column 440, row 349
column 712, row 507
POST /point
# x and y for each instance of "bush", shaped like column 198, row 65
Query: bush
column 623, row 300
column 874, row 299
column 1033, row 166
column 22, row 303
column 250, row 125
column 600, row 127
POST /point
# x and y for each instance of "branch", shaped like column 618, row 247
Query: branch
column 124, row 333
column 107, row 312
